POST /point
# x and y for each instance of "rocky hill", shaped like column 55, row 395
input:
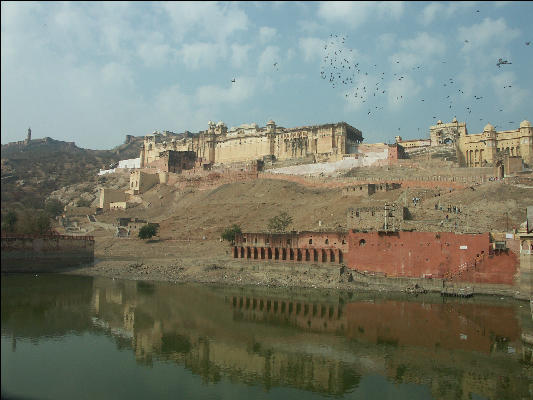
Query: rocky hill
column 31, row 171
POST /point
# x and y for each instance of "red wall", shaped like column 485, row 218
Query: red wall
column 414, row 254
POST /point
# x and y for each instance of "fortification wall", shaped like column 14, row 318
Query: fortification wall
column 463, row 259
column 25, row 253
column 459, row 257
column 417, row 182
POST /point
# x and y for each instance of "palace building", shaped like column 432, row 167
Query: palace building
column 249, row 142
column 489, row 148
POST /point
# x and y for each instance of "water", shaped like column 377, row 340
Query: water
column 66, row 337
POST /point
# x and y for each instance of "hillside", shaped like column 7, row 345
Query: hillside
column 31, row 172
column 191, row 213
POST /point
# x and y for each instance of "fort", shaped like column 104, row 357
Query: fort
column 247, row 142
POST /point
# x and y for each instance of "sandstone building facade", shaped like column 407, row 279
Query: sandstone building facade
column 491, row 147
column 248, row 142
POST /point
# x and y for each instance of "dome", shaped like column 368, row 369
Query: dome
column 525, row 124
column 488, row 128
column 439, row 122
column 454, row 119
column 271, row 123
column 253, row 125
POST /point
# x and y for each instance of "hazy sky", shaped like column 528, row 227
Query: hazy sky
column 94, row 72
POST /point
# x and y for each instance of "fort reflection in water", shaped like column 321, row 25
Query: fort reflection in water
column 320, row 342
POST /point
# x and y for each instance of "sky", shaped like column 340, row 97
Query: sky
column 94, row 72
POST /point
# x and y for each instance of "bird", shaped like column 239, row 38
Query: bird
column 466, row 41
column 233, row 80
column 502, row 62
column 528, row 43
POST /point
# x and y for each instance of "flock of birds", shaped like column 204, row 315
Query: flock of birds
column 366, row 84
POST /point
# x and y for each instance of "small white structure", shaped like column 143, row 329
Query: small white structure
column 131, row 163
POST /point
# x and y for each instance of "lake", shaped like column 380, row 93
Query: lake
column 66, row 337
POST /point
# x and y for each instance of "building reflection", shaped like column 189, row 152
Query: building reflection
column 325, row 343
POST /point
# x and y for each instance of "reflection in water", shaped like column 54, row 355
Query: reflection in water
column 326, row 343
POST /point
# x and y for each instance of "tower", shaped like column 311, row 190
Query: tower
column 211, row 141
column 526, row 142
column 271, row 134
column 28, row 138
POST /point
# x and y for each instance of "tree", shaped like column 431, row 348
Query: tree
column 229, row 233
column 34, row 222
column 42, row 223
column 54, row 207
column 9, row 221
column 147, row 231
column 280, row 222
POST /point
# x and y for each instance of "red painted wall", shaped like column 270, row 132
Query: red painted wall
column 414, row 254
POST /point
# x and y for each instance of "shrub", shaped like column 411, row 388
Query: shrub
column 53, row 207
column 229, row 233
column 83, row 203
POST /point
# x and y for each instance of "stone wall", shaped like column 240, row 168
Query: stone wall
column 373, row 218
column 416, row 182
column 461, row 257
column 108, row 196
column 141, row 181
column 457, row 258
column 25, row 253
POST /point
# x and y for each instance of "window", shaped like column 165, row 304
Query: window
column 310, row 241
column 362, row 242
column 327, row 241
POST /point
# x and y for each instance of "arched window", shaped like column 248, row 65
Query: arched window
column 362, row 242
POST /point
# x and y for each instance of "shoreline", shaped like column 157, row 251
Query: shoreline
column 270, row 275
